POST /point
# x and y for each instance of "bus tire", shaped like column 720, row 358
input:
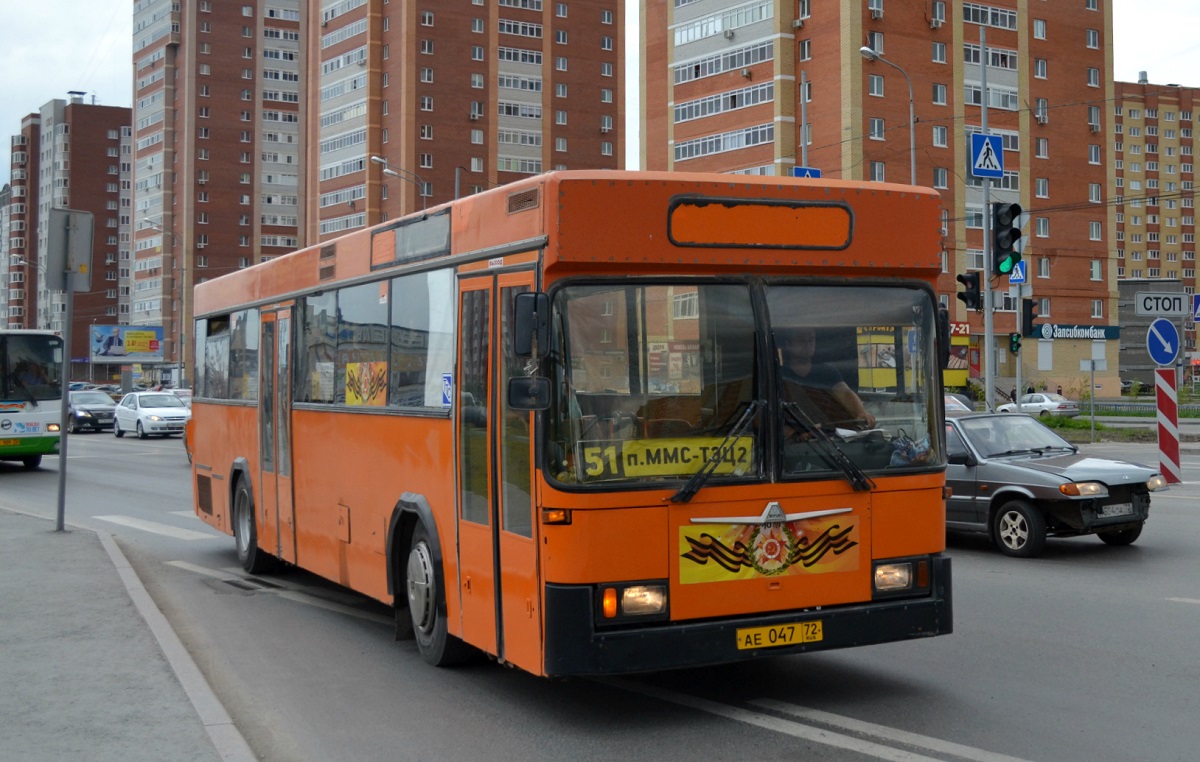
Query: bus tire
column 245, row 532
column 427, row 606
column 31, row 461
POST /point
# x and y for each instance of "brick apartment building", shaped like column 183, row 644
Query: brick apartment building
column 732, row 88
column 1155, row 142
column 218, row 132
column 456, row 98
column 69, row 155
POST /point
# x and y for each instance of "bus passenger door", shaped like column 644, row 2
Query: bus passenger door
column 498, row 582
column 277, row 526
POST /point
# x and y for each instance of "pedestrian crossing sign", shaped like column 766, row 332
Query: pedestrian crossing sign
column 987, row 156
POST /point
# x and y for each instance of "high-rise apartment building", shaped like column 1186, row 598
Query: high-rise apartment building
column 218, row 131
column 69, row 155
column 1155, row 140
column 765, row 86
column 455, row 98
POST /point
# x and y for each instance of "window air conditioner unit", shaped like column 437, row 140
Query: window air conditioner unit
column 474, row 116
column 1094, row 127
column 936, row 23
column 729, row 34
column 1042, row 118
column 798, row 24
column 876, row 13
column 605, row 129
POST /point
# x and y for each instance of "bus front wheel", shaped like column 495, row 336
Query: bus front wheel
column 31, row 461
column 245, row 532
column 427, row 607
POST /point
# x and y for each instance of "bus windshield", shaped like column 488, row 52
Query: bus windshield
column 652, row 381
column 29, row 367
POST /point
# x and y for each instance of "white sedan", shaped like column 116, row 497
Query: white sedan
column 1043, row 405
column 160, row 413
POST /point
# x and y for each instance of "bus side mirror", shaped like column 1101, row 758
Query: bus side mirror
column 943, row 337
column 531, row 332
column 529, row 393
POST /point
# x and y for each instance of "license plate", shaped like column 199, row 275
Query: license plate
column 779, row 635
column 1116, row 509
column 9, row 442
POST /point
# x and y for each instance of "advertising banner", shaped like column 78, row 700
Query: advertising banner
column 122, row 344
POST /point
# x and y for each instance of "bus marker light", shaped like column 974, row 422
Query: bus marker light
column 643, row 599
column 52, row 427
column 556, row 516
column 610, row 603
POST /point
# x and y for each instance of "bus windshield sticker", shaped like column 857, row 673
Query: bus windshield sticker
column 366, row 383
column 730, row 552
column 651, row 458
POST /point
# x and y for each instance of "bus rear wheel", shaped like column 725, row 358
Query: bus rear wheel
column 427, row 606
column 31, row 461
column 245, row 532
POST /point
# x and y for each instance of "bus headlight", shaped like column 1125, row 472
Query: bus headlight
column 632, row 601
column 901, row 576
column 53, row 427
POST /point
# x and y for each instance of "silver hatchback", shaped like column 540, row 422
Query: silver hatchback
column 1019, row 482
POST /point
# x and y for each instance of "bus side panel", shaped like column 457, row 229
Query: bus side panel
column 221, row 435
column 606, row 545
column 344, row 494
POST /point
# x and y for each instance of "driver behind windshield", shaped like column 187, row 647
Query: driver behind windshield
column 817, row 388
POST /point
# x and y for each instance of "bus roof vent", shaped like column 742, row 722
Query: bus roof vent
column 326, row 264
column 519, row 202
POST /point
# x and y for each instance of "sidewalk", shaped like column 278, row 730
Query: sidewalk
column 90, row 670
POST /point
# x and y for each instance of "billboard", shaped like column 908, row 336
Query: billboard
column 122, row 344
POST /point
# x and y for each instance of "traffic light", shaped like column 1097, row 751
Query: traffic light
column 1028, row 315
column 970, row 294
column 1014, row 343
column 1005, row 235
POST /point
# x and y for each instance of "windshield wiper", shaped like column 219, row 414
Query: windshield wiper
column 829, row 450
column 693, row 485
column 28, row 394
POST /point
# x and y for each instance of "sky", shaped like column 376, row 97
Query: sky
column 50, row 47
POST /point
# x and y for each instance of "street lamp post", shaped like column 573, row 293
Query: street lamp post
column 869, row 54
column 408, row 175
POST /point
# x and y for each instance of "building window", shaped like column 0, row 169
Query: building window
column 560, row 145
column 806, row 50
column 1039, row 68
column 1041, row 187
column 560, row 63
column 1095, row 231
column 1093, row 39
column 1097, row 269
column 875, row 41
column 941, row 177
column 940, row 134
column 939, row 95
column 1039, row 29
column 1094, row 154
column 606, row 70
column 877, row 128
column 939, row 52
column 476, row 52
column 427, row 47
column 877, row 172
column 875, row 85
column 1042, row 227
column 426, row 75
column 1093, row 77
column 1097, row 308
column 1042, row 148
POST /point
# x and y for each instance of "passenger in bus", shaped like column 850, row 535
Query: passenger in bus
column 818, row 388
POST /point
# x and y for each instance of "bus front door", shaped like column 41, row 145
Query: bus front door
column 277, row 525
column 498, row 578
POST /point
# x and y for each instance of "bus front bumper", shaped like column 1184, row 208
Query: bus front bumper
column 19, row 447
column 574, row 646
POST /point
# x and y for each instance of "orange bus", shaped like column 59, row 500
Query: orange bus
column 552, row 422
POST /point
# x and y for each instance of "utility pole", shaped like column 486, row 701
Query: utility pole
column 989, row 343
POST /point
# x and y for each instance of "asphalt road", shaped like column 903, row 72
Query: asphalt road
column 1087, row 653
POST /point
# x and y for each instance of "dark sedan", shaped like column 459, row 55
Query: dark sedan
column 90, row 410
column 1020, row 482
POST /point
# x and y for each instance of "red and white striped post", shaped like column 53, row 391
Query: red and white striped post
column 1168, row 424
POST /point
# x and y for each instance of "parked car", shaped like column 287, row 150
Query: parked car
column 1043, row 405
column 183, row 394
column 1126, row 386
column 90, row 410
column 160, row 413
column 954, row 404
column 1018, row 481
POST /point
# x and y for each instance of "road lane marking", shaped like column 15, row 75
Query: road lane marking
column 157, row 528
column 770, row 722
column 894, row 735
column 1184, row 600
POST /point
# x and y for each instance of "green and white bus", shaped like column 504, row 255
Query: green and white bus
column 31, row 389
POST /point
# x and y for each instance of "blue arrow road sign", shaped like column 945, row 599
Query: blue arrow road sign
column 1017, row 276
column 1162, row 341
column 805, row 172
column 987, row 156
column 1196, row 308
